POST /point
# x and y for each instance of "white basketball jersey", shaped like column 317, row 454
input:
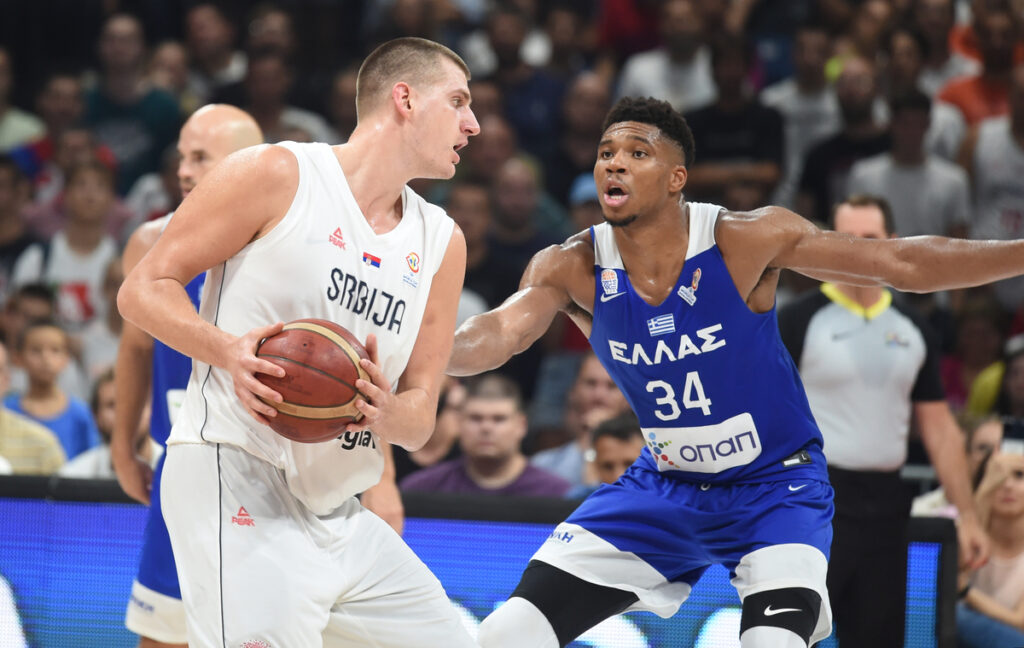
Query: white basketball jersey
column 321, row 261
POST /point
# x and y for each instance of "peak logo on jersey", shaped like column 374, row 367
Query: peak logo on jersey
column 413, row 260
column 370, row 260
column 243, row 518
column 657, row 449
column 662, row 325
column 689, row 293
column 337, row 239
column 609, row 281
column 373, row 305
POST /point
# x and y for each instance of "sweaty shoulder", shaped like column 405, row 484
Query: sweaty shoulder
column 567, row 268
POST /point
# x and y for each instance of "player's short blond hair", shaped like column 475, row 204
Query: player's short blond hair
column 412, row 60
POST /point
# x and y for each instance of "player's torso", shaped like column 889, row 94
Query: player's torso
column 716, row 393
column 998, row 169
column 321, row 261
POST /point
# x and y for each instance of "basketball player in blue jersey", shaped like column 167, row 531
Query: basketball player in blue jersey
column 148, row 370
column 678, row 300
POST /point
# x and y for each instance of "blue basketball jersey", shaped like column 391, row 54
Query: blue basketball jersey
column 170, row 376
column 717, row 394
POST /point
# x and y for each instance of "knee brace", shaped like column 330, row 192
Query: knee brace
column 793, row 608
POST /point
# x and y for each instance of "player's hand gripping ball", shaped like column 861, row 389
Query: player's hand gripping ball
column 321, row 364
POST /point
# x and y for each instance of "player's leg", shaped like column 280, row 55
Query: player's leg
column 782, row 579
column 549, row 608
column 630, row 546
column 155, row 611
column 390, row 598
column 250, row 570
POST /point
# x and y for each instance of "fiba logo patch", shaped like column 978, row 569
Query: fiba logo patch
column 609, row 281
column 413, row 260
column 658, row 449
column 689, row 293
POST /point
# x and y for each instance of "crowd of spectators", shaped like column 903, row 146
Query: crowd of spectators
column 792, row 102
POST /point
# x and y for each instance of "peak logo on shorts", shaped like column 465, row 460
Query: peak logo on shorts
column 243, row 518
column 255, row 643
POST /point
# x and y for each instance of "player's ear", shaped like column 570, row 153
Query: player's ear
column 401, row 96
column 677, row 179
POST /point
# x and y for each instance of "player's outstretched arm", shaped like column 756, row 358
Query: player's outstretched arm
column 132, row 379
column 488, row 340
column 252, row 189
column 914, row 264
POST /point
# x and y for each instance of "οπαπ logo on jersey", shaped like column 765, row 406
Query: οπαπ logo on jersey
column 689, row 293
column 609, row 281
column 413, row 260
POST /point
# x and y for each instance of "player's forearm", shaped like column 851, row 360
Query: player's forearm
column 163, row 309
column 480, row 346
column 930, row 263
column 945, row 449
column 132, row 380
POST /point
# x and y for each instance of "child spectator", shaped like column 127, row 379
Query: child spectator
column 100, row 339
column 27, row 447
column 43, row 352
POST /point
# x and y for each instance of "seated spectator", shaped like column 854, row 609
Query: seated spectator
column 17, row 127
column 168, row 70
column 101, row 337
column 30, row 302
column 75, row 260
column 982, row 436
column 76, row 147
column 584, row 204
column 616, row 444
column 986, row 94
column 132, row 117
column 43, row 352
column 991, row 608
column 210, row 38
column 15, row 238
column 28, row 447
column 96, row 463
column 981, row 325
column 267, row 83
column 928, row 194
column 583, row 109
column 492, row 425
column 593, row 398
column 739, row 140
column 934, row 19
column 679, row 71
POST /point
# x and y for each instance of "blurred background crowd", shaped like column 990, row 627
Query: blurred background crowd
column 792, row 102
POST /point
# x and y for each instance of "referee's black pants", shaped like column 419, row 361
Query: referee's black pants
column 867, row 573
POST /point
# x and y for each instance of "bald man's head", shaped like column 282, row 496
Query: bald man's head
column 211, row 134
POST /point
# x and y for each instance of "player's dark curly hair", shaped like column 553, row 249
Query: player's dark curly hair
column 648, row 110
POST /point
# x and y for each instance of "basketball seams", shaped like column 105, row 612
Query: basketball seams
column 315, row 370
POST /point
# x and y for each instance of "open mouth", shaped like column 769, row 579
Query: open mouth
column 615, row 195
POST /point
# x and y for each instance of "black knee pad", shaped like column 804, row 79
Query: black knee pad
column 572, row 605
column 793, row 608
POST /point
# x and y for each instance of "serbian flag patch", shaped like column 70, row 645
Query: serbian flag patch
column 370, row 260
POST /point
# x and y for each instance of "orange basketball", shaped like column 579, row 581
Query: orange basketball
column 321, row 364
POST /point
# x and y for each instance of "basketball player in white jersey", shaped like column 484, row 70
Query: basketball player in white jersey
column 678, row 299
column 273, row 549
